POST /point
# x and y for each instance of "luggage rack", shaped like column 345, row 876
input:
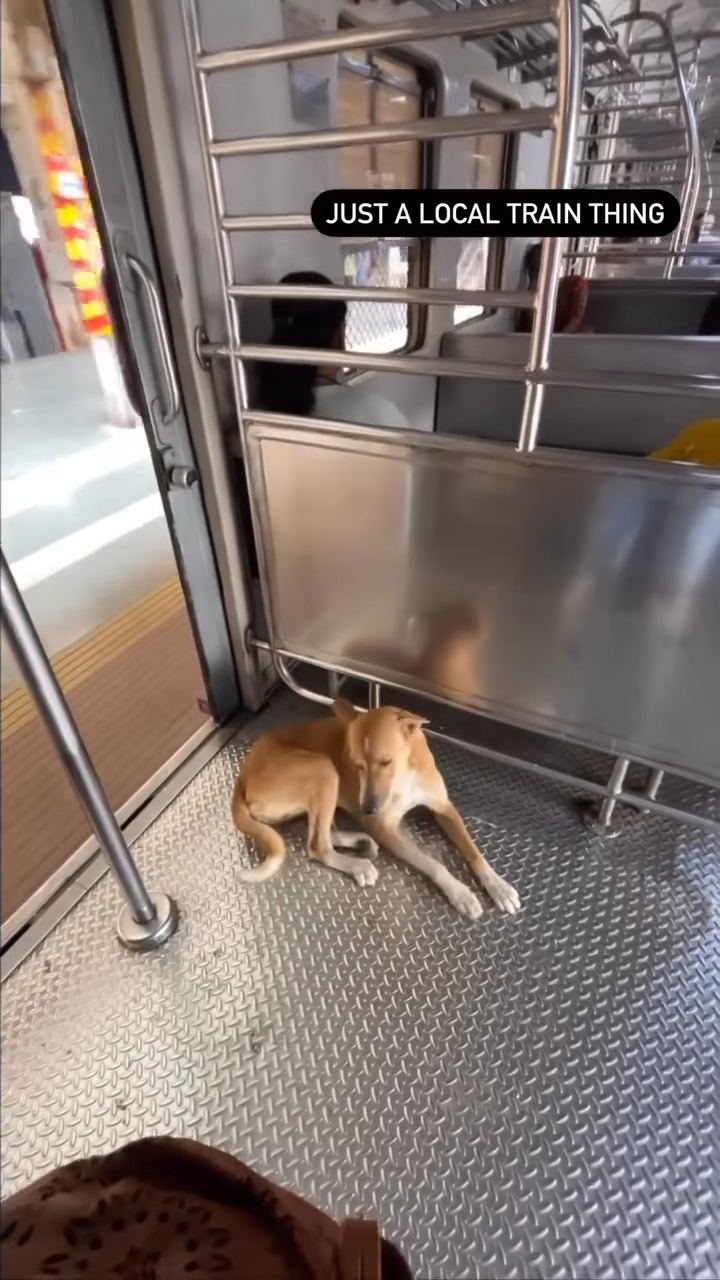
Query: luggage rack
column 493, row 21
column 626, row 114
column 534, row 53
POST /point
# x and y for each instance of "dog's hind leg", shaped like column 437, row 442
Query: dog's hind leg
column 321, row 811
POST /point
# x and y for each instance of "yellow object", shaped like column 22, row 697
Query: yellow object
column 698, row 443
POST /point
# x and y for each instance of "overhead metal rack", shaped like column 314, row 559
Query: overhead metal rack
column 534, row 51
column 630, row 150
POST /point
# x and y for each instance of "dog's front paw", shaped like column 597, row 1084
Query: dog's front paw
column 364, row 872
column 502, row 893
column 462, row 898
column 369, row 848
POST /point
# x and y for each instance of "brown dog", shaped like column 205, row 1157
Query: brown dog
column 376, row 766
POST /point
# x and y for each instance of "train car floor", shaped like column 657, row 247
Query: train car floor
column 521, row 1097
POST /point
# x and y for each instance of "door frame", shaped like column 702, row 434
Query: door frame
column 87, row 55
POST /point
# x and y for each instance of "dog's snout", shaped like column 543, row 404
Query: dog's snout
column 371, row 806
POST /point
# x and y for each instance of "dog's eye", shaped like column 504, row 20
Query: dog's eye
column 384, row 764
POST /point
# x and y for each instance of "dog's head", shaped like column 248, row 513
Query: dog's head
column 378, row 746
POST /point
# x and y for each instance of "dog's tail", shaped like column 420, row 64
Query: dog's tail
column 269, row 841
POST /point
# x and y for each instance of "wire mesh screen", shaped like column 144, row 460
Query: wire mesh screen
column 472, row 270
column 379, row 327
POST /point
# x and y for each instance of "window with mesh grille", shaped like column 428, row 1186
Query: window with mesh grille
column 488, row 161
column 382, row 89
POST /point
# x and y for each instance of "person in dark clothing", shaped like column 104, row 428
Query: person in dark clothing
column 572, row 296
column 169, row 1207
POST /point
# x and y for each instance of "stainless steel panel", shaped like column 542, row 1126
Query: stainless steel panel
column 597, row 587
column 601, row 421
column 529, row 1096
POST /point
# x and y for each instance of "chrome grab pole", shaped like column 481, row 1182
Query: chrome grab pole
column 567, row 121
column 148, row 920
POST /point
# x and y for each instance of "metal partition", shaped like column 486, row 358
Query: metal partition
column 359, row 531
column 596, row 585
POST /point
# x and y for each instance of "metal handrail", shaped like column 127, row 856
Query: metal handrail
column 701, row 385
column 651, row 251
column 473, row 22
column 638, row 160
column 567, row 107
column 429, row 129
column 361, row 293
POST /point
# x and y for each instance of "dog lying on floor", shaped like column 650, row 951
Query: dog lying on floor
column 375, row 765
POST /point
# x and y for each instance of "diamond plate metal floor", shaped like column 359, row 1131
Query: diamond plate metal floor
column 521, row 1097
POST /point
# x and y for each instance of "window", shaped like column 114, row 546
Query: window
column 382, row 89
column 488, row 166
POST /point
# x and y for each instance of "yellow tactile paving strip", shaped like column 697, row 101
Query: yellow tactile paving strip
column 75, row 664
column 133, row 687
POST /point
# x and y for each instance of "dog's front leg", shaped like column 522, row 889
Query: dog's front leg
column 452, row 824
column 388, row 834
column 359, row 840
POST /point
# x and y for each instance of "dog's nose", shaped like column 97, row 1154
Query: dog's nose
column 371, row 807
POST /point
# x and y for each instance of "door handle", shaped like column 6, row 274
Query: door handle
column 172, row 390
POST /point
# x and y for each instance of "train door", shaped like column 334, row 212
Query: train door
column 103, row 520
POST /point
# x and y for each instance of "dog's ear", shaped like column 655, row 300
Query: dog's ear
column 344, row 710
column 410, row 723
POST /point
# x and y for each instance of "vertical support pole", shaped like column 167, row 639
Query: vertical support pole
column 652, row 786
column 691, row 184
column 374, row 694
column 600, row 822
column 148, row 920
column 607, row 147
column 567, row 118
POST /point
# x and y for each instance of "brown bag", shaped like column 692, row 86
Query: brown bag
column 170, row 1209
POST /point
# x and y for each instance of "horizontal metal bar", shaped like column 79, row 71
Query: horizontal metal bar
column 600, row 380
column 630, row 133
column 297, row 222
column 647, row 109
column 618, row 82
column 652, row 251
column 267, row 222
column 658, row 184
column 479, row 22
column 650, row 159
column 425, row 297
column 532, row 119
column 657, row 44
column 636, row 800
